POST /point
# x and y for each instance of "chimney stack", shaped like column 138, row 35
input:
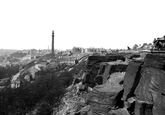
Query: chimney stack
column 53, row 43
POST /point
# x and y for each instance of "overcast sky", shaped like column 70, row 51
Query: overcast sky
column 27, row 24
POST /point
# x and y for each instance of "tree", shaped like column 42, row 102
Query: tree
column 146, row 46
column 76, row 50
column 135, row 47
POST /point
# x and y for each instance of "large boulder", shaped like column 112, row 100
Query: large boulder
column 103, row 102
column 109, row 58
column 146, row 82
column 143, row 108
column 105, row 97
column 151, row 88
column 108, row 68
column 116, row 78
column 93, row 67
column 131, row 78
column 155, row 61
column 94, row 61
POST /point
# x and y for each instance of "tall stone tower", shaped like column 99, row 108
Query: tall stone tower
column 53, row 43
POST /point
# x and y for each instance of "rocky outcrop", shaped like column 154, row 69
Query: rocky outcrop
column 131, row 78
column 100, row 99
column 102, row 85
column 93, row 66
column 108, row 68
column 118, row 88
column 156, row 61
column 150, row 89
column 104, row 98
column 144, row 84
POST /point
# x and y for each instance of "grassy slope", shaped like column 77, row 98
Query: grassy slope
column 48, row 88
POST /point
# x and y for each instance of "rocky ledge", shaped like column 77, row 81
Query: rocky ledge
column 112, row 85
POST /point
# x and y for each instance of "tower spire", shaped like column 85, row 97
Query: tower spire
column 53, row 43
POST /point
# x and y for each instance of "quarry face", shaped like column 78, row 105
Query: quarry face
column 109, row 84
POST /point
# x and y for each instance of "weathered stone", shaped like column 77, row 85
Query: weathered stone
column 131, row 79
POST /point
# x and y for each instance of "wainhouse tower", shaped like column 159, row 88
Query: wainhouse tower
column 53, row 43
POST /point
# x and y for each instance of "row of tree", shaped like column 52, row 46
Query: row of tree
column 81, row 50
column 144, row 46
column 135, row 47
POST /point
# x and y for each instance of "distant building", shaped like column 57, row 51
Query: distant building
column 15, row 81
column 27, row 57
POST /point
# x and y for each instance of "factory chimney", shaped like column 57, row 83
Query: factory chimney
column 53, row 43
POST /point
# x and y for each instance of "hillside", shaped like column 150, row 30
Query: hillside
column 6, row 51
column 95, row 84
column 42, row 85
